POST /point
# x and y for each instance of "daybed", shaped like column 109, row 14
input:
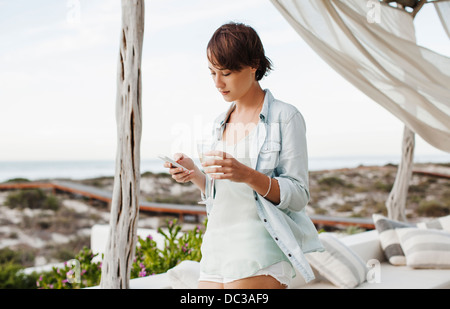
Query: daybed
column 355, row 261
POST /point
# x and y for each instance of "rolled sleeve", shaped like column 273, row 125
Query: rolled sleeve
column 292, row 170
column 293, row 195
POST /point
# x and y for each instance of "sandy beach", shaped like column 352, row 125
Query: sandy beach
column 50, row 236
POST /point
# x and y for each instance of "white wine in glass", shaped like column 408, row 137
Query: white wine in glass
column 204, row 146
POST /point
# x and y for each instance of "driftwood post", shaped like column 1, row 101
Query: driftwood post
column 120, row 249
column 396, row 201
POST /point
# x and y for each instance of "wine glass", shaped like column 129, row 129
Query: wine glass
column 204, row 146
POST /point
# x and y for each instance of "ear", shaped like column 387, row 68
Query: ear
column 255, row 66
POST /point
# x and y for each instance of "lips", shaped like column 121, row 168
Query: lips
column 224, row 92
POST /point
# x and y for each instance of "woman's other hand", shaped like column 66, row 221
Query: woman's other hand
column 227, row 167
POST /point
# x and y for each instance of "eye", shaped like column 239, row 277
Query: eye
column 226, row 74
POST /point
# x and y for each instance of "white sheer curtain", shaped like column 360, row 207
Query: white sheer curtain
column 373, row 46
column 443, row 10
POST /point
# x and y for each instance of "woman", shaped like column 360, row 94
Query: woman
column 257, row 227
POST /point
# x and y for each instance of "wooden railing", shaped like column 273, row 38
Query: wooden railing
column 166, row 208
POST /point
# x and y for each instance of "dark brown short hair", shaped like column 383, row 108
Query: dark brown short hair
column 235, row 45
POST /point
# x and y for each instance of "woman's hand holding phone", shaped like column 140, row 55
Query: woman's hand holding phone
column 182, row 169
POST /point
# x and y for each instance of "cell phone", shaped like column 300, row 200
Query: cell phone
column 167, row 159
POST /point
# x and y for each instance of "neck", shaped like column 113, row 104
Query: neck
column 251, row 100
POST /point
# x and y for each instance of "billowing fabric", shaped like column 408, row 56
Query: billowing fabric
column 280, row 151
column 373, row 46
column 443, row 11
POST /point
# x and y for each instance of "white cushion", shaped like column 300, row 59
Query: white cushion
column 389, row 240
column 425, row 248
column 441, row 223
column 158, row 281
column 338, row 263
column 185, row 275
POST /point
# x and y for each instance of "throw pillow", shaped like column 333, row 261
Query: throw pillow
column 425, row 248
column 185, row 275
column 441, row 223
column 389, row 240
column 338, row 263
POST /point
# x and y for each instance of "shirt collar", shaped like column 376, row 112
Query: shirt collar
column 268, row 98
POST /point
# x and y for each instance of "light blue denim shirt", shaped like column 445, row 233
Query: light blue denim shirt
column 280, row 152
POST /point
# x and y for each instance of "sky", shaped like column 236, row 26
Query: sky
column 58, row 64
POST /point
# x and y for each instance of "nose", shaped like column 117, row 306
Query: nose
column 218, row 81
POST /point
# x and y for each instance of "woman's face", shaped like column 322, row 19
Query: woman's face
column 233, row 85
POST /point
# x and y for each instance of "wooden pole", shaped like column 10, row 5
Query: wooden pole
column 418, row 7
column 120, row 249
column 396, row 201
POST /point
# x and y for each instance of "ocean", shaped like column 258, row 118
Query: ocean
column 36, row 170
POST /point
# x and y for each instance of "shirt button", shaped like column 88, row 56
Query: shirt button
column 289, row 255
column 276, row 238
column 256, row 198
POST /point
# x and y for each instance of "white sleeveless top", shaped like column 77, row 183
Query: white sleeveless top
column 236, row 243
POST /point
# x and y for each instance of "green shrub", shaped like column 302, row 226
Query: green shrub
column 352, row 229
column 12, row 277
column 433, row 209
column 32, row 198
column 332, row 181
column 51, row 202
column 383, row 186
column 149, row 259
column 17, row 180
column 66, row 277
column 20, row 257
